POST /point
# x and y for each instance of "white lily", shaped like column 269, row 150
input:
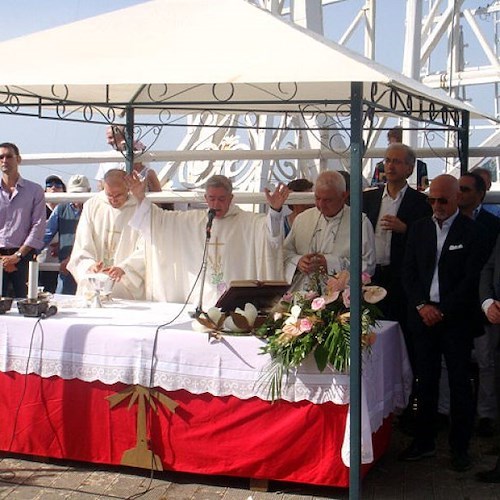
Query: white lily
column 373, row 294
column 294, row 315
column 250, row 314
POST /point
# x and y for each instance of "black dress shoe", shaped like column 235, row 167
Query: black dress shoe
column 416, row 451
column 488, row 476
column 461, row 461
column 485, row 427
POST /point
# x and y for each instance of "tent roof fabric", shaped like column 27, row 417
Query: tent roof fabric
column 225, row 53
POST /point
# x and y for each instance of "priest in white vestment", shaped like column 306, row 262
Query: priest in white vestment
column 105, row 242
column 243, row 245
column 320, row 238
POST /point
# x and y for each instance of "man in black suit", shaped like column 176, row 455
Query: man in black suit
column 444, row 256
column 392, row 209
column 472, row 193
column 489, row 294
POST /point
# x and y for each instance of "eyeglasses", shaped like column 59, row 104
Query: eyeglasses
column 8, row 156
column 439, row 201
column 465, row 189
column 396, row 161
column 52, row 184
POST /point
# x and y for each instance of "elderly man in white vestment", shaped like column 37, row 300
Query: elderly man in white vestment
column 243, row 245
column 320, row 236
column 105, row 242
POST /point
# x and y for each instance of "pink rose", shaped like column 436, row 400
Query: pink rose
column 305, row 325
column 318, row 303
column 287, row 297
column 366, row 279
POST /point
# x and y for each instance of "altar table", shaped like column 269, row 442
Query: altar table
column 55, row 376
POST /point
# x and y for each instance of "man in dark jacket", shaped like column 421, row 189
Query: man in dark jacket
column 392, row 209
column 489, row 294
column 472, row 193
column 444, row 256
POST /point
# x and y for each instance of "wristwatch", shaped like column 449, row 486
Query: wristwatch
column 19, row 255
column 421, row 305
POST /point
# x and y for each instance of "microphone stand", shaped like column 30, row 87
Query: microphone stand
column 199, row 307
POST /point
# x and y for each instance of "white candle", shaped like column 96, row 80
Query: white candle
column 33, row 280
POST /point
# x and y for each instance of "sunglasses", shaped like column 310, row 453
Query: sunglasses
column 8, row 156
column 439, row 201
column 52, row 184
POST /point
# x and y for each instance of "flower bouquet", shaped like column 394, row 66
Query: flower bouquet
column 318, row 322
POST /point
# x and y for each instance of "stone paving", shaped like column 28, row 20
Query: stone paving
column 26, row 478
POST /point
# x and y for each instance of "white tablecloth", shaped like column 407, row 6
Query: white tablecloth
column 115, row 344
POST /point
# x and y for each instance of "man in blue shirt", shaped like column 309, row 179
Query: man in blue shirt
column 63, row 221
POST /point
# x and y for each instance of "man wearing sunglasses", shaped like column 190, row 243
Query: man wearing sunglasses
column 472, row 193
column 22, row 221
column 444, row 256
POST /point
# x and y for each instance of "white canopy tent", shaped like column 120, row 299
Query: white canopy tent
column 223, row 54
column 146, row 63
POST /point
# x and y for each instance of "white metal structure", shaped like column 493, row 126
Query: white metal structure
column 465, row 28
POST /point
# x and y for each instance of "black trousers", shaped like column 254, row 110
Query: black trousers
column 454, row 343
column 15, row 284
column 395, row 306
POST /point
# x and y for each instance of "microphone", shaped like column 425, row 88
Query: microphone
column 51, row 311
column 211, row 215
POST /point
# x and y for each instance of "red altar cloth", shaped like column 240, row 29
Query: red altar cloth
column 71, row 419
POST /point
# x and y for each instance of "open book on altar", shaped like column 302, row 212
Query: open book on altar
column 262, row 294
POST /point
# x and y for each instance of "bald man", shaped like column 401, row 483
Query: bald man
column 443, row 259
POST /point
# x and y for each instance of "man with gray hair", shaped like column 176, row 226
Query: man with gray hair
column 320, row 236
column 243, row 245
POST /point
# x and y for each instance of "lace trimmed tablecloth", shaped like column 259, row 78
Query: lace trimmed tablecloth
column 115, row 344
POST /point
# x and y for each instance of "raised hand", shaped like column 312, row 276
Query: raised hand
column 277, row 199
column 136, row 185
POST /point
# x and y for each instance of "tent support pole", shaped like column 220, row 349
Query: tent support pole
column 463, row 142
column 355, row 270
column 129, row 139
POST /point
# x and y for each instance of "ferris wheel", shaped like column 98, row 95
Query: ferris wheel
column 449, row 44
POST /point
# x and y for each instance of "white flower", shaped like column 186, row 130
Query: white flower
column 249, row 314
column 374, row 294
column 294, row 315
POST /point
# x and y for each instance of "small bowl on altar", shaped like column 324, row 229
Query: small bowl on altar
column 5, row 304
column 32, row 308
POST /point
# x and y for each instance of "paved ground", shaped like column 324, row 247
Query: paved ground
column 22, row 478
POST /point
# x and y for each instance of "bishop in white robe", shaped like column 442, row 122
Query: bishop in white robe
column 320, row 236
column 243, row 246
column 105, row 241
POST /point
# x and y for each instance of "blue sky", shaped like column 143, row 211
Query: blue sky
column 21, row 17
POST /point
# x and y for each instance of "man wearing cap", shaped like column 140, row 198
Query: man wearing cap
column 63, row 222
column 22, row 221
column 48, row 278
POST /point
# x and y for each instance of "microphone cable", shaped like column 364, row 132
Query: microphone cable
column 25, row 386
column 149, row 415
